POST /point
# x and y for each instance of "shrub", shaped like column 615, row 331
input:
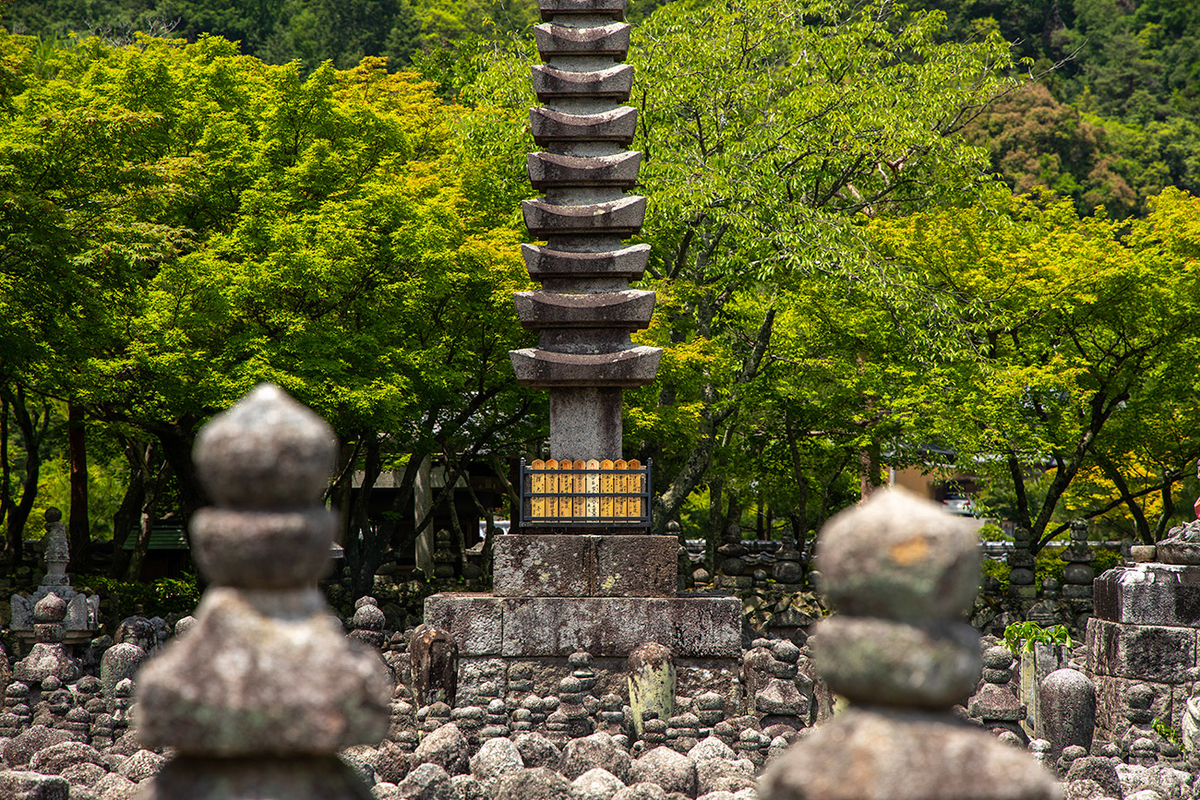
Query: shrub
column 158, row 598
column 1024, row 635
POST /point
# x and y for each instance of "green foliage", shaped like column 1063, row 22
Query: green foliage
column 1106, row 560
column 106, row 486
column 1164, row 729
column 161, row 597
column 181, row 222
column 1048, row 564
column 992, row 568
column 278, row 31
column 839, row 290
column 1024, row 635
column 1070, row 334
column 760, row 170
column 991, row 532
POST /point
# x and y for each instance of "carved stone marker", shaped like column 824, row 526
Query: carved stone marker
column 81, row 619
column 266, row 688
column 901, row 572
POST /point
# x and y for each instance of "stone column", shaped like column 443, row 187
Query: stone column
column 901, row 573
column 265, row 689
column 585, row 310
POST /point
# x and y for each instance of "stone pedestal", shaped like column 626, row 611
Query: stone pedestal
column 536, row 635
column 1146, row 629
column 694, row 626
column 584, row 565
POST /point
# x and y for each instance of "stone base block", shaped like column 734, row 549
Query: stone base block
column 696, row 626
column 734, row 581
column 578, row 565
column 1077, row 592
column 1153, row 653
column 1150, row 594
column 495, row 676
column 1169, row 703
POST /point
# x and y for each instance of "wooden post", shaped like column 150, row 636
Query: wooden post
column 537, row 490
column 553, row 487
column 607, row 484
column 579, row 488
column 593, row 488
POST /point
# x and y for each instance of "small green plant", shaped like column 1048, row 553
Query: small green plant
column 1106, row 560
column 156, row 598
column 1164, row 729
column 1024, row 635
column 998, row 570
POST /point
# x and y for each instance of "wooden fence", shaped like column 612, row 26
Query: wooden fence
column 585, row 493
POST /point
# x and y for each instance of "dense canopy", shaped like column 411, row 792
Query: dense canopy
column 882, row 237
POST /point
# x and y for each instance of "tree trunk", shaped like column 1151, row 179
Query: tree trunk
column 460, row 537
column 128, row 514
column 176, row 441
column 6, row 501
column 341, row 489
column 1102, row 407
column 799, row 515
column 666, row 506
column 362, row 550
column 731, row 524
column 1168, row 507
column 716, row 523
column 1141, row 524
column 31, row 437
column 871, row 477
column 148, row 513
column 404, row 503
column 78, row 526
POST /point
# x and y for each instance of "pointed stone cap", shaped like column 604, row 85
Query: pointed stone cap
column 266, row 462
column 899, row 557
column 266, row 452
column 267, row 669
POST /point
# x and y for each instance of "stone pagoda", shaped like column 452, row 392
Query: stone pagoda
column 585, row 310
column 583, row 573
column 82, row 620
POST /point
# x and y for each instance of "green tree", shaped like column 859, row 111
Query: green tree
column 331, row 234
column 766, row 142
column 1077, row 337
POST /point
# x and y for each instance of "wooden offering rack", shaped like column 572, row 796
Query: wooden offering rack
column 581, row 493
